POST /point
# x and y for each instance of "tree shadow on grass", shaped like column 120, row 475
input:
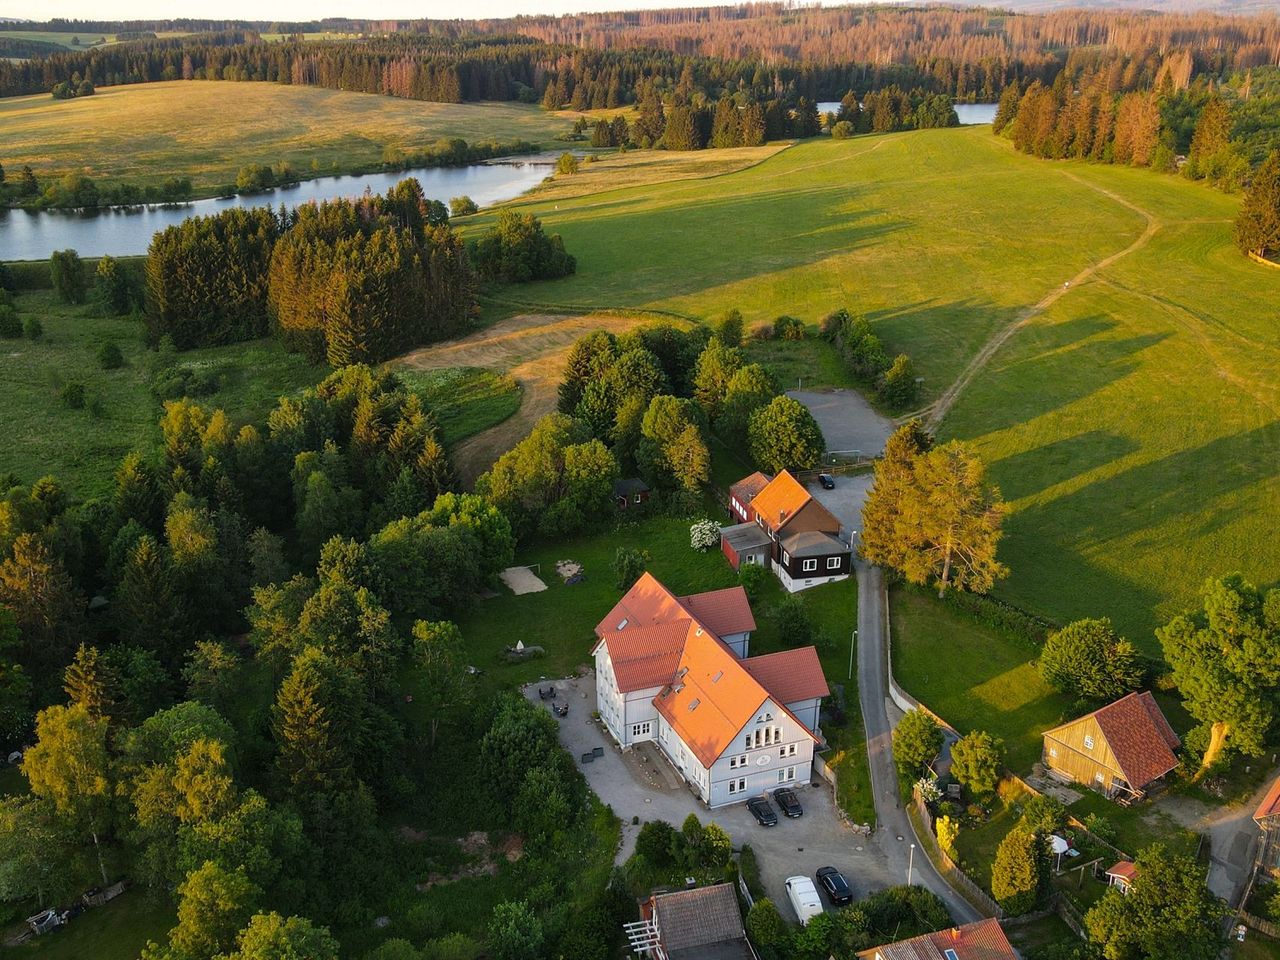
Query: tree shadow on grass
column 1030, row 471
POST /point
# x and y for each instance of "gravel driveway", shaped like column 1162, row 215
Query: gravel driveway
column 640, row 783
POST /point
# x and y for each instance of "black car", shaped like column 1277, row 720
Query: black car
column 827, row 480
column 786, row 800
column 833, row 882
column 763, row 813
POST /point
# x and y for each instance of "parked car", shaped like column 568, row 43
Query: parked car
column 837, row 887
column 804, row 899
column 762, row 811
column 786, row 800
column 827, row 481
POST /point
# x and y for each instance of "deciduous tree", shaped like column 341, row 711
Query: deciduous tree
column 1086, row 659
column 782, row 435
column 916, row 741
column 975, row 762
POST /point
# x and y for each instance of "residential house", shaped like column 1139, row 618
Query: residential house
column 700, row 924
column 676, row 671
column 1120, row 750
column 1267, row 817
column 742, row 493
column 630, row 492
column 984, row 940
column 796, row 535
column 1121, row 875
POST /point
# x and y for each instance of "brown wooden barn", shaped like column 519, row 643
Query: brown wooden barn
column 1118, row 750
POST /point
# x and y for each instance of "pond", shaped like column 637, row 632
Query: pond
column 126, row 231
column 969, row 113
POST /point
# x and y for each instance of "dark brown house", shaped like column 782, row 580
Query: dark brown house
column 630, row 492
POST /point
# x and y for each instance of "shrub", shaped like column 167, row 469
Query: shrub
column 897, row 386
column 462, row 207
column 749, row 867
column 1100, row 827
column 843, row 130
column 567, row 163
column 791, row 618
column 33, row 328
column 916, row 740
column 456, row 946
column 728, row 328
column 788, row 328
column 110, row 357
column 1044, row 814
column 929, row 789
column 176, row 382
column 628, row 565
column 833, row 322
column 516, row 249
column 1020, row 870
column 753, row 577
column 975, row 762
column 66, row 270
column 6, row 298
column 762, row 331
column 704, row 535
column 655, row 842
column 715, row 848
column 73, row 395
column 7, row 281
column 948, row 831
column 10, row 325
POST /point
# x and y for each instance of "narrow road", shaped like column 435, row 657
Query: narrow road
column 873, row 691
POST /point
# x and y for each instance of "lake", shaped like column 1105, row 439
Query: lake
column 970, row 114
column 124, row 231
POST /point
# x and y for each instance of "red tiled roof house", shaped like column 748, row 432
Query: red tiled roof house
column 676, row 671
column 1267, row 817
column 1119, row 750
column 984, row 940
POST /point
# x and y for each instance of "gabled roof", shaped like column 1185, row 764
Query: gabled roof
column 711, row 697
column 984, row 940
column 706, row 916
column 1270, row 805
column 812, row 543
column 1139, row 736
column 780, row 499
column 790, row 676
column 746, row 489
column 723, row 612
column 647, row 657
column 647, row 603
column 1125, row 870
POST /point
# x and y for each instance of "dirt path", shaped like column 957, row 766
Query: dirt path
column 936, row 411
column 531, row 347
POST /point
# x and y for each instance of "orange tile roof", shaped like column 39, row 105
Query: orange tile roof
column 782, row 498
column 791, row 675
column 1125, row 870
column 748, row 488
column 1140, row 738
column 647, row 603
column 646, row 657
column 1270, row 805
column 984, row 940
column 723, row 612
column 711, row 698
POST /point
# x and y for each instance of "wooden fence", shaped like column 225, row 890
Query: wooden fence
column 1264, row 927
column 950, row 870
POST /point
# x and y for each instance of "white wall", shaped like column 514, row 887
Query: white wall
column 798, row 584
column 806, row 711
column 790, row 755
column 739, row 643
column 609, row 701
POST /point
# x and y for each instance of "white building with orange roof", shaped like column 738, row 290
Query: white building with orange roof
column 677, row 671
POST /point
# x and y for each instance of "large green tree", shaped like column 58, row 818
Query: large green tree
column 1226, row 663
column 1020, row 870
column 1167, row 914
column 1086, row 659
column 975, row 762
column 269, row 936
column 1258, row 223
column 782, row 435
column 916, row 740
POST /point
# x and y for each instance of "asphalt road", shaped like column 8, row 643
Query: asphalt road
column 892, row 820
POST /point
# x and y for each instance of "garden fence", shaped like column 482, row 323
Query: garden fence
column 950, row 870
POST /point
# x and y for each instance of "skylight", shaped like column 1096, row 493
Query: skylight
column 951, row 954
column 694, row 705
column 622, row 623
column 716, row 678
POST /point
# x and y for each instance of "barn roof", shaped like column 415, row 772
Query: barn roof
column 1139, row 736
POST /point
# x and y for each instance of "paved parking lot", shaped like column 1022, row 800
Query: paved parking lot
column 848, row 422
column 846, row 500
column 640, row 783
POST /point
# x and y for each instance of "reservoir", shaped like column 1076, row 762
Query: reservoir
column 970, row 114
column 126, row 231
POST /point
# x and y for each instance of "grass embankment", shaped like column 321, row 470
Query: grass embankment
column 208, row 129
column 1133, row 425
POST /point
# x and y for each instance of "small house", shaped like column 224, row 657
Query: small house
column 787, row 528
column 1121, row 875
column 984, row 940
column 1119, row 750
column 1267, row 817
column 630, row 492
column 704, row 923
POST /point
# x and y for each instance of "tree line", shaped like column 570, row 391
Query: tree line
column 348, row 281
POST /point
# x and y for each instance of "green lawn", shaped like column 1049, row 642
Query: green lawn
column 465, row 400
column 39, row 435
column 975, row 677
column 207, row 130
column 114, row 931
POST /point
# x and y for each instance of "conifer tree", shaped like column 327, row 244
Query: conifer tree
column 1258, row 224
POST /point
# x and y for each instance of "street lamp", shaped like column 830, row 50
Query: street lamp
column 911, row 861
column 853, row 642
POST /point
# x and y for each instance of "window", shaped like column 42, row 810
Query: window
column 833, row 563
column 809, row 565
column 787, row 775
column 1053, row 751
column 786, row 558
column 1099, row 777
column 738, row 761
column 951, row 954
column 694, row 705
column 750, row 558
column 747, row 745
column 641, row 729
column 716, row 678
column 1088, row 742
column 737, row 786
column 788, row 751
column 622, row 623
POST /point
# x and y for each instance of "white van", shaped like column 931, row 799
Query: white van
column 804, row 898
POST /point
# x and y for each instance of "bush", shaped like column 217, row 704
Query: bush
column 110, row 357
column 975, row 762
column 1020, row 870
column 788, row 328
column 66, row 270
column 762, row 331
column 33, row 328
column 1100, row 827
column 791, row 618
column 948, row 831
column 628, row 565
column 655, row 842
column 728, row 328
column 462, row 207
column 73, row 395
column 833, row 322
column 516, row 249
column 704, row 535
column 753, row 577
column 10, row 325
column 567, row 163
column 176, row 382
column 1044, row 814
column 916, row 740
column 749, row 867
column 843, row 130
column 7, row 281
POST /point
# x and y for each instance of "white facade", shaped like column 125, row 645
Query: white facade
column 796, row 584
column 773, row 750
column 629, row 717
column 738, row 643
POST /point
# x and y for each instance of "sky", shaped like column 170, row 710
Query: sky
column 314, row 9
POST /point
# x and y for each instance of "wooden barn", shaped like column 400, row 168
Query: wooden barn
column 1267, row 817
column 1119, row 750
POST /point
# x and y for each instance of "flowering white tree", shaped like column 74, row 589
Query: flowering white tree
column 704, row 535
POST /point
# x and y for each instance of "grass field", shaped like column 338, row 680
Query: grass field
column 1132, row 423
column 208, row 130
column 61, row 39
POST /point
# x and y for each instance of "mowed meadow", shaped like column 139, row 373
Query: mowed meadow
column 1132, row 423
column 208, row 129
